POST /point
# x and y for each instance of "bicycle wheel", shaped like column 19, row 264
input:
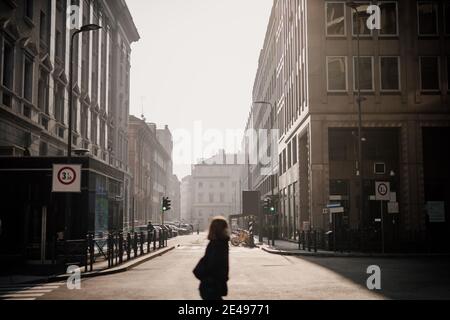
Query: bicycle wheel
column 235, row 242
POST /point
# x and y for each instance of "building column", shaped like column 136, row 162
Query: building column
column 318, row 187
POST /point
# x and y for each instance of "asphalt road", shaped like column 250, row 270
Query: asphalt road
column 255, row 274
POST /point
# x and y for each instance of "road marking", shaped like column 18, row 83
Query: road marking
column 22, row 295
column 26, row 291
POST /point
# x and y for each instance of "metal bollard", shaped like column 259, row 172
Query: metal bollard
column 159, row 238
column 315, row 240
column 149, row 239
column 141, row 239
column 135, row 244
column 299, row 240
column 154, row 240
column 109, row 242
column 304, row 240
column 167, row 238
column 120, row 247
column 128, row 246
column 308, row 236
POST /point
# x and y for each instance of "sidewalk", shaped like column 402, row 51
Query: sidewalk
column 289, row 248
column 100, row 268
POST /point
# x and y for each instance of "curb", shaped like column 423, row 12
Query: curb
column 352, row 255
column 118, row 269
column 104, row 272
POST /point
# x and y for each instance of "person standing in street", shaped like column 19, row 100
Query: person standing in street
column 212, row 270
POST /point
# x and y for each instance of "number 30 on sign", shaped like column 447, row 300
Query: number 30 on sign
column 66, row 178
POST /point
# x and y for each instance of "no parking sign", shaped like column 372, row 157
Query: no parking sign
column 66, row 178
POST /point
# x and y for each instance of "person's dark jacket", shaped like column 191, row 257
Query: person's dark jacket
column 213, row 268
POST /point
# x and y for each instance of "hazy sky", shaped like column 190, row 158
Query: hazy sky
column 195, row 65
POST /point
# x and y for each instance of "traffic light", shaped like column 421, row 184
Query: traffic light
column 269, row 206
column 166, row 204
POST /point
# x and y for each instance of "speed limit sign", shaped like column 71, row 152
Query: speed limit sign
column 66, row 178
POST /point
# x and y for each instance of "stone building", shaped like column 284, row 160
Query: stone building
column 34, row 72
column 151, row 171
column 307, row 70
column 215, row 188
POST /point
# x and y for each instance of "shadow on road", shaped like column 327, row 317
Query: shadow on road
column 401, row 278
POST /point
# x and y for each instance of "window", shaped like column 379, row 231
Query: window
column 222, row 185
column 390, row 73
column 337, row 73
column 294, row 150
column 389, row 18
column 200, row 184
column 428, row 18
column 289, row 156
column 222, row 197
column 429, row 73
column 43, row 30
column 43, row 91
column 211, row 197
column 360, row 20
column 365, row 74
column 29, row 9
column 59, row 104
column 28, row 79
column 58, row 44
column 8, row 64
column 335, row 19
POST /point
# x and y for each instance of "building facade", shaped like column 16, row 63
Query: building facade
column 34, row 71
column 151, row 171
column 215, row 187
column 308, row 71
column 174, row 194
column 186, row 199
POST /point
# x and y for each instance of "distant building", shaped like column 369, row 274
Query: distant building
column 215, row 187
column 186, row 199
column 151, row 169
column 174, row 195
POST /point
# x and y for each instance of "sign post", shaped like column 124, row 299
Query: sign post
column 382, row 193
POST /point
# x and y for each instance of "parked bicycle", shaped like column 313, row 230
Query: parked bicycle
column 241, row 237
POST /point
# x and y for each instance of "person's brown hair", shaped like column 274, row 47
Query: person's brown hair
column 218, row 229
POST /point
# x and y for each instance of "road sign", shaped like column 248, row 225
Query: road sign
column 333, row 205
column 436, row 211
column 66, row 178
column 337, row 210
column 382, row 191
column 393, row 207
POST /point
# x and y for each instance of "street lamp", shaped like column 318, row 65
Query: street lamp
column 85, row 28
column 354, row 6
column 272, row 124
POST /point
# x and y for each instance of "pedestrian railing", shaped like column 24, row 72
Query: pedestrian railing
column 116, row 248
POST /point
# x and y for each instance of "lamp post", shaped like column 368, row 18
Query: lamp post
column 354, row 6
column 273, row 175
column 85, row 28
